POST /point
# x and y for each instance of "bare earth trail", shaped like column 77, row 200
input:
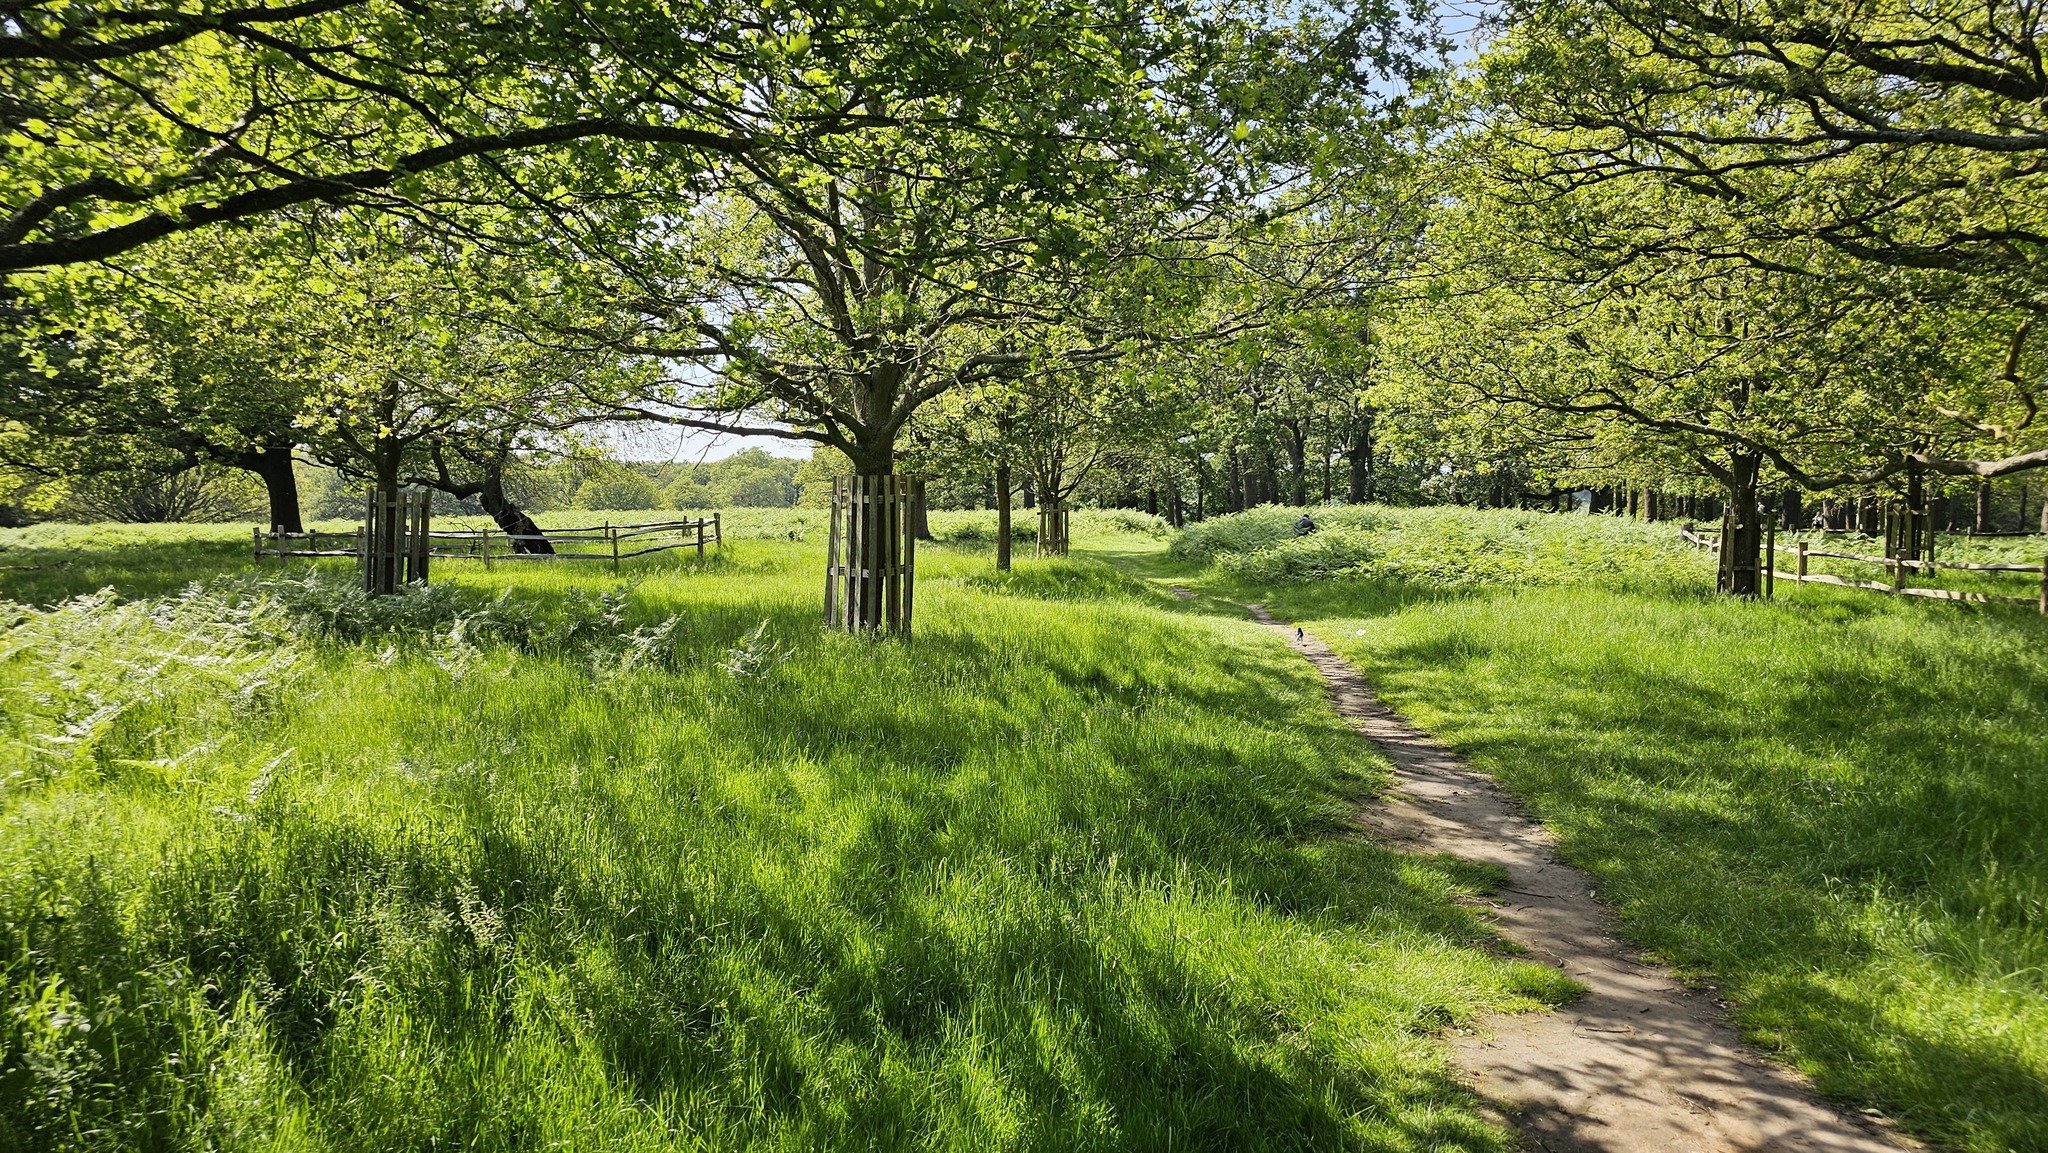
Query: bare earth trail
column 1640, row 1062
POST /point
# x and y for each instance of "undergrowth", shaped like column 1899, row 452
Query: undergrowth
column 538, row 858
column 1444, row 547
column 1828, row 804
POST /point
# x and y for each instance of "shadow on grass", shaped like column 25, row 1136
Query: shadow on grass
column 47, row 575
column 1831, row 803
column 1049, row 876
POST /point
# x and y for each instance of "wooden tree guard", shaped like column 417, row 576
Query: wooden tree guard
column 1052, row 528
column 1908, row 532
column 1737, row 572
column 395, row 540
column 871, row 554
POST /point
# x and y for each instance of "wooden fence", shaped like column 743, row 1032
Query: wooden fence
column 605, row 542
column 1896, row 567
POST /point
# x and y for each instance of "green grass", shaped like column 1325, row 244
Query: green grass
column 550, row 858
column 1831, row 804
column 1948, row 549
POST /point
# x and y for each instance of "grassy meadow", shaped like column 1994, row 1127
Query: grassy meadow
column 1829, row 805
column 548, row 858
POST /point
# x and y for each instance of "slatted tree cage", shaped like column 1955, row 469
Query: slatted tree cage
column 396, row 540
column 1053, row 517
column 1908, row 532
column 1741, row 567
column 871, row 553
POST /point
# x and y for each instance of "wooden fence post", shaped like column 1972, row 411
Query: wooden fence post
column 1898, row 573
column 2044, row 586
column 1802, row 561
column 422, row 543
column 1770, row 573
column 368, row 551
column 833, row 571
column 916, row 494
column 717, row 532
column 614, row 534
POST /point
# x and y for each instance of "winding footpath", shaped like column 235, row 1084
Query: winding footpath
column 1640, row 1062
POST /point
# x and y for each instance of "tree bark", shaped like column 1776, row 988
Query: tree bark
column 1982, row 523
column 1297, row 461
column 1003, row 516
column 1742, row 529
column 1361, row 462
column 489, row 491
column 382, row 577
column 509, row 516
column 273, row 466
column 1919, row 521
column 920, row 515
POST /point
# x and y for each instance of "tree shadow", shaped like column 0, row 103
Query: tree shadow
column 1831, row 804
column 1051, row 874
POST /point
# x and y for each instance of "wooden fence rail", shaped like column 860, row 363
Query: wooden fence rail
column 1898, row 568
column 606, row 542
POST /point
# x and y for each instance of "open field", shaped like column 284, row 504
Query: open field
column 547, row 857
column 1830, row 805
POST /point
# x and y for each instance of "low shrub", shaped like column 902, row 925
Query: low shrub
column 1122, row 520
column 1445, row 547
column 978, row 526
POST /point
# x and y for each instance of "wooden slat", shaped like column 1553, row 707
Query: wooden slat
column 1882, row 587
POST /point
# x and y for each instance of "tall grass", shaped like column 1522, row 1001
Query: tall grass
column 546, row 858
column 1829, row 804
column 1442, row 547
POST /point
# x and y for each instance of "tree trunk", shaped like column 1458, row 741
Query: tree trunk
column 1297, row 461
column 1982, row 523
column 1917, row 531
column 1030, row 494
column 874, row 532
column 1361, row 463
column 1003, row 516
column 1152, row 501
column 920, row 515
column 1742, row 529
column 520, row 529
column 1795, row 510
column 273, row 466
column 385, row 530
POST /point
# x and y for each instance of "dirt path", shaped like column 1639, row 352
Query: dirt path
column 1639, row 1063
